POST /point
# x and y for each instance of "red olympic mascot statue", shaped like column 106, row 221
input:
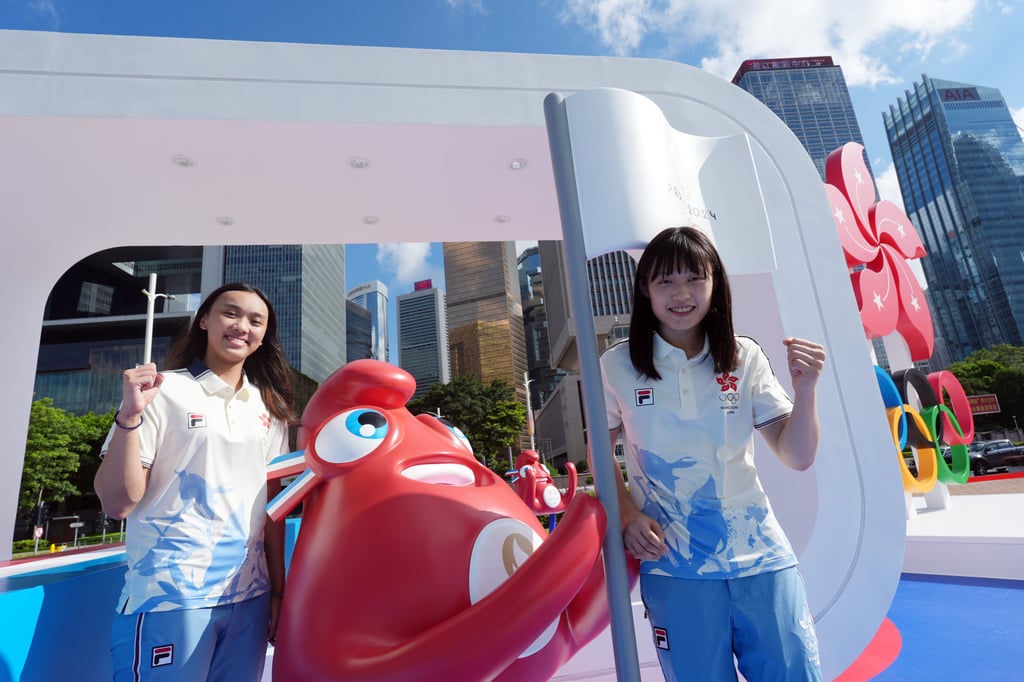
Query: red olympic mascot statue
column 414, row 561
column 534, row 484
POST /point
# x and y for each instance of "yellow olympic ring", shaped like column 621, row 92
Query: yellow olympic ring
column 927, row 467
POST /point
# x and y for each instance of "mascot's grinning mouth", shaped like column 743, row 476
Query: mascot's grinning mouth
column 441, row 474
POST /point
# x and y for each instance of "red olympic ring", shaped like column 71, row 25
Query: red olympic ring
column 961, row 407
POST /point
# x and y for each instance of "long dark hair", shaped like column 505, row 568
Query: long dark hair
column 676, row 249
column 267, row 368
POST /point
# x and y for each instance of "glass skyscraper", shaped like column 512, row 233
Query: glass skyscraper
column 94, row 322
column 374, row 297
column 960, row 163
column 423, row 337
column 358, row 332
column 485, row 313
column 305, row 284
column 810, row 95
column 543, row 377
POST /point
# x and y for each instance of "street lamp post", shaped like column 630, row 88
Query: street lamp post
column 529, row 410
column 151, row 296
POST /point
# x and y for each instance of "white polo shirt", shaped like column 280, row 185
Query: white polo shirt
column 196, row 537
column 690, row 457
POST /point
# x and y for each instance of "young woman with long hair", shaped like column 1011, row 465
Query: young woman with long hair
column 186, row 465
column 718, row 575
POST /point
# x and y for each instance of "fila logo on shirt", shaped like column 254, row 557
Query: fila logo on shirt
column 661, row 638
column 196, row 420
column 162, row 655
column 644, row 396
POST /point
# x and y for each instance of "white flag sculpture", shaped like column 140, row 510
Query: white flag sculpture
column 636, row 175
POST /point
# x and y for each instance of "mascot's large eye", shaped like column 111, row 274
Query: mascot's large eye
column 351, row 435
column 457, row 432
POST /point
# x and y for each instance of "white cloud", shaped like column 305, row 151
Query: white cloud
column 889, row 186
column 476, row 6
column 407, row 262
column 48, row 9
column 862, row 36
column 621, row 24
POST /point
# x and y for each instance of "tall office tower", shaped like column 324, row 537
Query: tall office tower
column 374, row 297
column 358, row 332
column 611, row 293
column 610, row 276
column 485, row 313
column 94, row 322
column 960, row 163
column 304, row 282
column 543, row 377
column 423, row 349
column 810, row 95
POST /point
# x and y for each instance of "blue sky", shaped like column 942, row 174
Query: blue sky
column 883, row 46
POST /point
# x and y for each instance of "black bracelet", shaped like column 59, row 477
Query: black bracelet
column 127, row 428
column 277, row 594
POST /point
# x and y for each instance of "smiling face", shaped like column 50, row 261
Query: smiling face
column 680, row 300
column 235, row 326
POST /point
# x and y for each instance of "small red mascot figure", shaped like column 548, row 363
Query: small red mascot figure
column 534, row 484
column 414, row 562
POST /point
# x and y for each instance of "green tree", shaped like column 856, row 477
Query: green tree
column 94, row 429
column 1008, row 385
column 999, row 370
column 56, row 446
column 976, row 375
column 488, row 415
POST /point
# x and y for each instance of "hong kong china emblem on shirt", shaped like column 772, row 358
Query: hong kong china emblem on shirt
column 728, row 394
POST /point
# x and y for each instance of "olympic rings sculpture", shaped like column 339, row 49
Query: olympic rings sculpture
column 927, row 428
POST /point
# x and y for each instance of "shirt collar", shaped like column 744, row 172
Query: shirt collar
column 663, row 350
column 212, row 383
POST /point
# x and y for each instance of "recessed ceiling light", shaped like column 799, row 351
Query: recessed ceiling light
column 503, row 218
column 182, row 160
column 225, row 220
column 517, row 164
column 358, row 162
column 370, row 219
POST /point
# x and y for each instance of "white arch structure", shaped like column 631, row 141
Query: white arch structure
column 89, row 126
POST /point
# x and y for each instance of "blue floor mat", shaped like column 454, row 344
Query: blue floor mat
column 958, row 629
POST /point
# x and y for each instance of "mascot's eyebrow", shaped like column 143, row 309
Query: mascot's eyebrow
column 290, row 464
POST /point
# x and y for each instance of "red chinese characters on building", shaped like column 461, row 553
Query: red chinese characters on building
column 878, row 239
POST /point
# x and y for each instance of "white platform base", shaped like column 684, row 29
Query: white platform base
column 979, row 536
